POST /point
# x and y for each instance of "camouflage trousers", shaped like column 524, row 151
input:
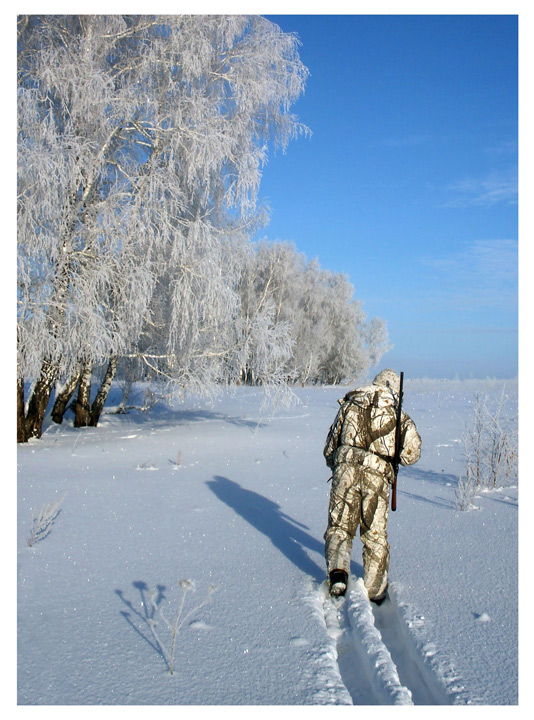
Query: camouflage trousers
column 359, row 496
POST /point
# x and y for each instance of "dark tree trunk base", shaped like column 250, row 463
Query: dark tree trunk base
column 82, row 410
column 103, row 392
column 63, row 398
column 30, row 424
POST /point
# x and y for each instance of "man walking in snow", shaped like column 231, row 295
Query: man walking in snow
column 359, row 450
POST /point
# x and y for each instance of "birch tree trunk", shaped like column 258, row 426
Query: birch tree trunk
column 63, row 397
column 41, row 392
column 21, row 425
column 82, row 410
column 34, row 418
column 103, row 392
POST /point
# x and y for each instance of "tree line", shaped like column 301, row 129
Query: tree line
column 141, row 142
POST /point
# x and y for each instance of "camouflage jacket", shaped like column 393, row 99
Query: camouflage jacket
column 364, row 431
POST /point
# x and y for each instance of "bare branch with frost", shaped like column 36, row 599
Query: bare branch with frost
column 42, row 522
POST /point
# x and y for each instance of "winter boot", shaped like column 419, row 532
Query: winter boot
column 379, row 599
column 338, row 582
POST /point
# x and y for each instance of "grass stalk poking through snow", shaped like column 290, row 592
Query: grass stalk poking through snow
column 43, row 521
column 174, row 628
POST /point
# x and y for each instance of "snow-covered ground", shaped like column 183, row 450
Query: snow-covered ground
column 226, row 505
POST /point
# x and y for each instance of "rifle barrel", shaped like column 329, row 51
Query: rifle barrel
column 398, row 441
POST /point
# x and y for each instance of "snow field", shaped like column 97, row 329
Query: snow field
column 228, row 496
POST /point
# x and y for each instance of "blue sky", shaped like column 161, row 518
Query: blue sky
column 409, row 180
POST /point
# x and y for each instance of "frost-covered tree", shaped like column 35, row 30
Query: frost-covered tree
column 188, row 334
column 347, row 345
column 330, row 338
column 141, row 142
column 267, row 284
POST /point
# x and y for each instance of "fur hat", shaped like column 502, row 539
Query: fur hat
column 388, row 378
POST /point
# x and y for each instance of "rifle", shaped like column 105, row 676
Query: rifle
column 398, row 446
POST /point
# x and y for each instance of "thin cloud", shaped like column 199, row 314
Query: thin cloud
column 485, row 192
column 506, row 147
column 483, row 274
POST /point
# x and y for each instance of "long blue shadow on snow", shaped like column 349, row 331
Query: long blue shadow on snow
column 285, row 533
column 437, row 501
column 431, row 476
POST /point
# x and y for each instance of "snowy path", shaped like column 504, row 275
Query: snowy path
column 377, row 657
column 424, row 686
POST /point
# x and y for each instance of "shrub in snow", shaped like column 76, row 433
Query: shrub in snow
column 168, row 648
column 43, row 521
column 465, row 492
column 490, row 445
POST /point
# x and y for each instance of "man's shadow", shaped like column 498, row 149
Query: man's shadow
column 285, row 533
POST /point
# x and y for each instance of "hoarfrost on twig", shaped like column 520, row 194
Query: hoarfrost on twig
column 179, row 620
column 42, row 522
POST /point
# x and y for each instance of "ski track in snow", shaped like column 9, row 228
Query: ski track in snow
column 382, row 654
